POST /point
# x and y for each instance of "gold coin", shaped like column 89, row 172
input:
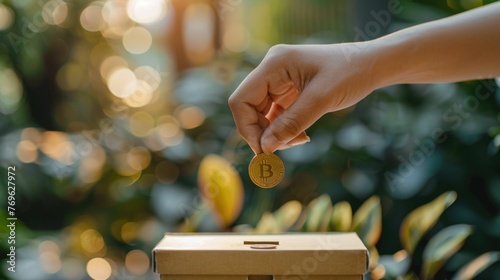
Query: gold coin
column 266, row 170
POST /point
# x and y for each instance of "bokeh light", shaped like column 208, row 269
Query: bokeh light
column 115, row 18
column 10, row 90
column 137, row 262
column 91, row 17
column 139, row 158
column 123, row 167
column 190, row 117
column 92, row 243
column 137, row 40
column 27, row 151
column 167, row 132
column 129, row 232
column 55, row 12
column 91, row 166
column 6, row 17
column 99, row 269
column 199, row 32
column 142, row 95
column 149, row 76
column 110, row 65
column 32, row 134
column 58, row 146
column 122, row 82
column 147, row 11
column 50, row 256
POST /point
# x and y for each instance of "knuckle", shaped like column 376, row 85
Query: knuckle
column 287, row 128
column 279, row 48
column 278, row 52
column 232, row 101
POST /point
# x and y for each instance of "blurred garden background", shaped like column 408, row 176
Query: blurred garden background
column 114, row 114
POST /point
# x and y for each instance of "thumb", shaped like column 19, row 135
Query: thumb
column 288, row 129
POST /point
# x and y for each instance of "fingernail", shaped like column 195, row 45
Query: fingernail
column 299, row 141
column 269, row 144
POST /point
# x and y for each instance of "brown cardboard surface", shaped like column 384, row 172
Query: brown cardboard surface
column 185, row 255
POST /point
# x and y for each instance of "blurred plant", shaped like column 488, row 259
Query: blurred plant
column 222, row 191
column 477, row 266
column 321, row 215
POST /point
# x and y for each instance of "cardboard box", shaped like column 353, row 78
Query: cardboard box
column 228, row 256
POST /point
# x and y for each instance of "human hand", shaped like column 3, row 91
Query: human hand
column 294, row 86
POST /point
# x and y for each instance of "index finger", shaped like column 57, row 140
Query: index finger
column 249, row 104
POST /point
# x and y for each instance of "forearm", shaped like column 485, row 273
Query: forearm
column 458, row 48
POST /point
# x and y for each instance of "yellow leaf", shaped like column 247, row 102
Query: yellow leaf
column 420, row 220
column 367, row 221
column 287, row 214
column 267, row 224
column 221, row 187
column 472, row 269
column 341, row 218
column 374, row 257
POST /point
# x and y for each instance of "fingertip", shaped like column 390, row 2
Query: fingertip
column 299, row 140
column 256, row 149
column 269, row 143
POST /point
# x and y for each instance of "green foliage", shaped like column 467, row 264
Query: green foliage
column 321, row 215
column 442, row 246
column 317, row 212
column 281, row 220
column 420, row 220
column 367, row 221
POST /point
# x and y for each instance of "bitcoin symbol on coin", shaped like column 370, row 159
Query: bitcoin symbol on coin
column 266, row 170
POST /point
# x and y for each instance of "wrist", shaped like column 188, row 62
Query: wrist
column 388, row 62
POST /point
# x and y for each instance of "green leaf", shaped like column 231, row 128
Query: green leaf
column 325, row 221
column 367, row 221
column 442, row 246
column 316, row 211
column 420, row 220
column 477, row 266
column 287, row 214
column 341, row 218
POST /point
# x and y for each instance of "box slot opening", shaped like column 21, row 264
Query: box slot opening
column 260, row 277
column 261, row 242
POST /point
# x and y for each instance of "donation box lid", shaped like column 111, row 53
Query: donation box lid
column 260, row 254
